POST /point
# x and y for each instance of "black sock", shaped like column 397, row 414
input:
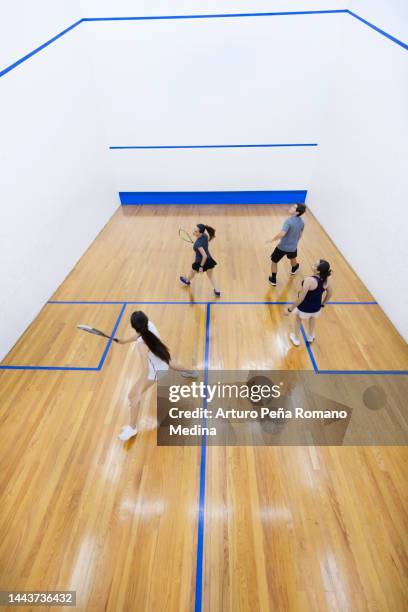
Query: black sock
column 274, row 275
column 295, row 267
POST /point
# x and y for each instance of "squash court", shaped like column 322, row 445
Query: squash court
column 193, row 195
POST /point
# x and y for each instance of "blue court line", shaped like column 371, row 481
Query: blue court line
column 38, row 49
column 208, row 305
column 393, row 372
column 382, row 32
column 283, row 303
column 253, row 303
column 203, row 459
column 218, row 146
column 203, row 463
column 106, row 351
column 345, row 303
column 318, row 371
column 73, row 368
column 123, row 302
column 309, row 350
column 27, row 367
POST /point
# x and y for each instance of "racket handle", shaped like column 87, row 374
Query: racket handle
column 115, row 339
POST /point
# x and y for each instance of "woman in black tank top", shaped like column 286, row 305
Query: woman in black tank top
column 310, row 300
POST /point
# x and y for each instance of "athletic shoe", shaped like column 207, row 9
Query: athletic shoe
column 294, row 269
column 190, row 374
column 127, row 433
column 185, row 280
column 310, row 338
column 272, row 280
column 294, row 340
column 217, row 293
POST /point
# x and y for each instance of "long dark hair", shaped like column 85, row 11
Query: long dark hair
column 206, row 228
column 140, row 322
column 324, row 270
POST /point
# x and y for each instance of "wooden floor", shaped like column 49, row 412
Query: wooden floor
column 285, row 528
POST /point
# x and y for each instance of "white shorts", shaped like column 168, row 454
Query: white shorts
column 306, row 315
column 152, row 374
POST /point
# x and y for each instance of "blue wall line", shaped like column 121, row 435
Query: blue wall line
column 388, row 372
column 203, row 463
column 216, row 146
column 214, row 16
column 382, row 32
column 38, row 49
column 224, row 15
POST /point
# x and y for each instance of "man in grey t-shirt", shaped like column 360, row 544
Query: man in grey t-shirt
column 288, row 238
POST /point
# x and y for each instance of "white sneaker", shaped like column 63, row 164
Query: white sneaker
column 294, row 340
column 310, row 338
column 190, row 374
column 127, row 433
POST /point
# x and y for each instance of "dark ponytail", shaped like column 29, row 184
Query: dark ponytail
column 324, row 269
column 210, row 231
column 206, row 228
column 140, row 322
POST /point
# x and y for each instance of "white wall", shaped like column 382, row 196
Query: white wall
column 25, row 25
column 133, row 8
column 213, row 81
column 360, row 189
column 54, row 188
column 388, row 15
column 214, row 170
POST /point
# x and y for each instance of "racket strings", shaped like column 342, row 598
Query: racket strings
column 184, row 235
column 93, row 330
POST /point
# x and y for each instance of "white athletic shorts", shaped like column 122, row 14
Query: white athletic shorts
column 152, row 374
column 306, row 315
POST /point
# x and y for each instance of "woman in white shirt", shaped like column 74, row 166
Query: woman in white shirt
column 155, row 357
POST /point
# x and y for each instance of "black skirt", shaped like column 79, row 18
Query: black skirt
column 210, row 263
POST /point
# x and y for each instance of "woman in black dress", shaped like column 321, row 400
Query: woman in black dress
column 203, row 260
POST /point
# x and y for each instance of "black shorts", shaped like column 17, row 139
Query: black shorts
column 278, row 254
column 210, row 263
